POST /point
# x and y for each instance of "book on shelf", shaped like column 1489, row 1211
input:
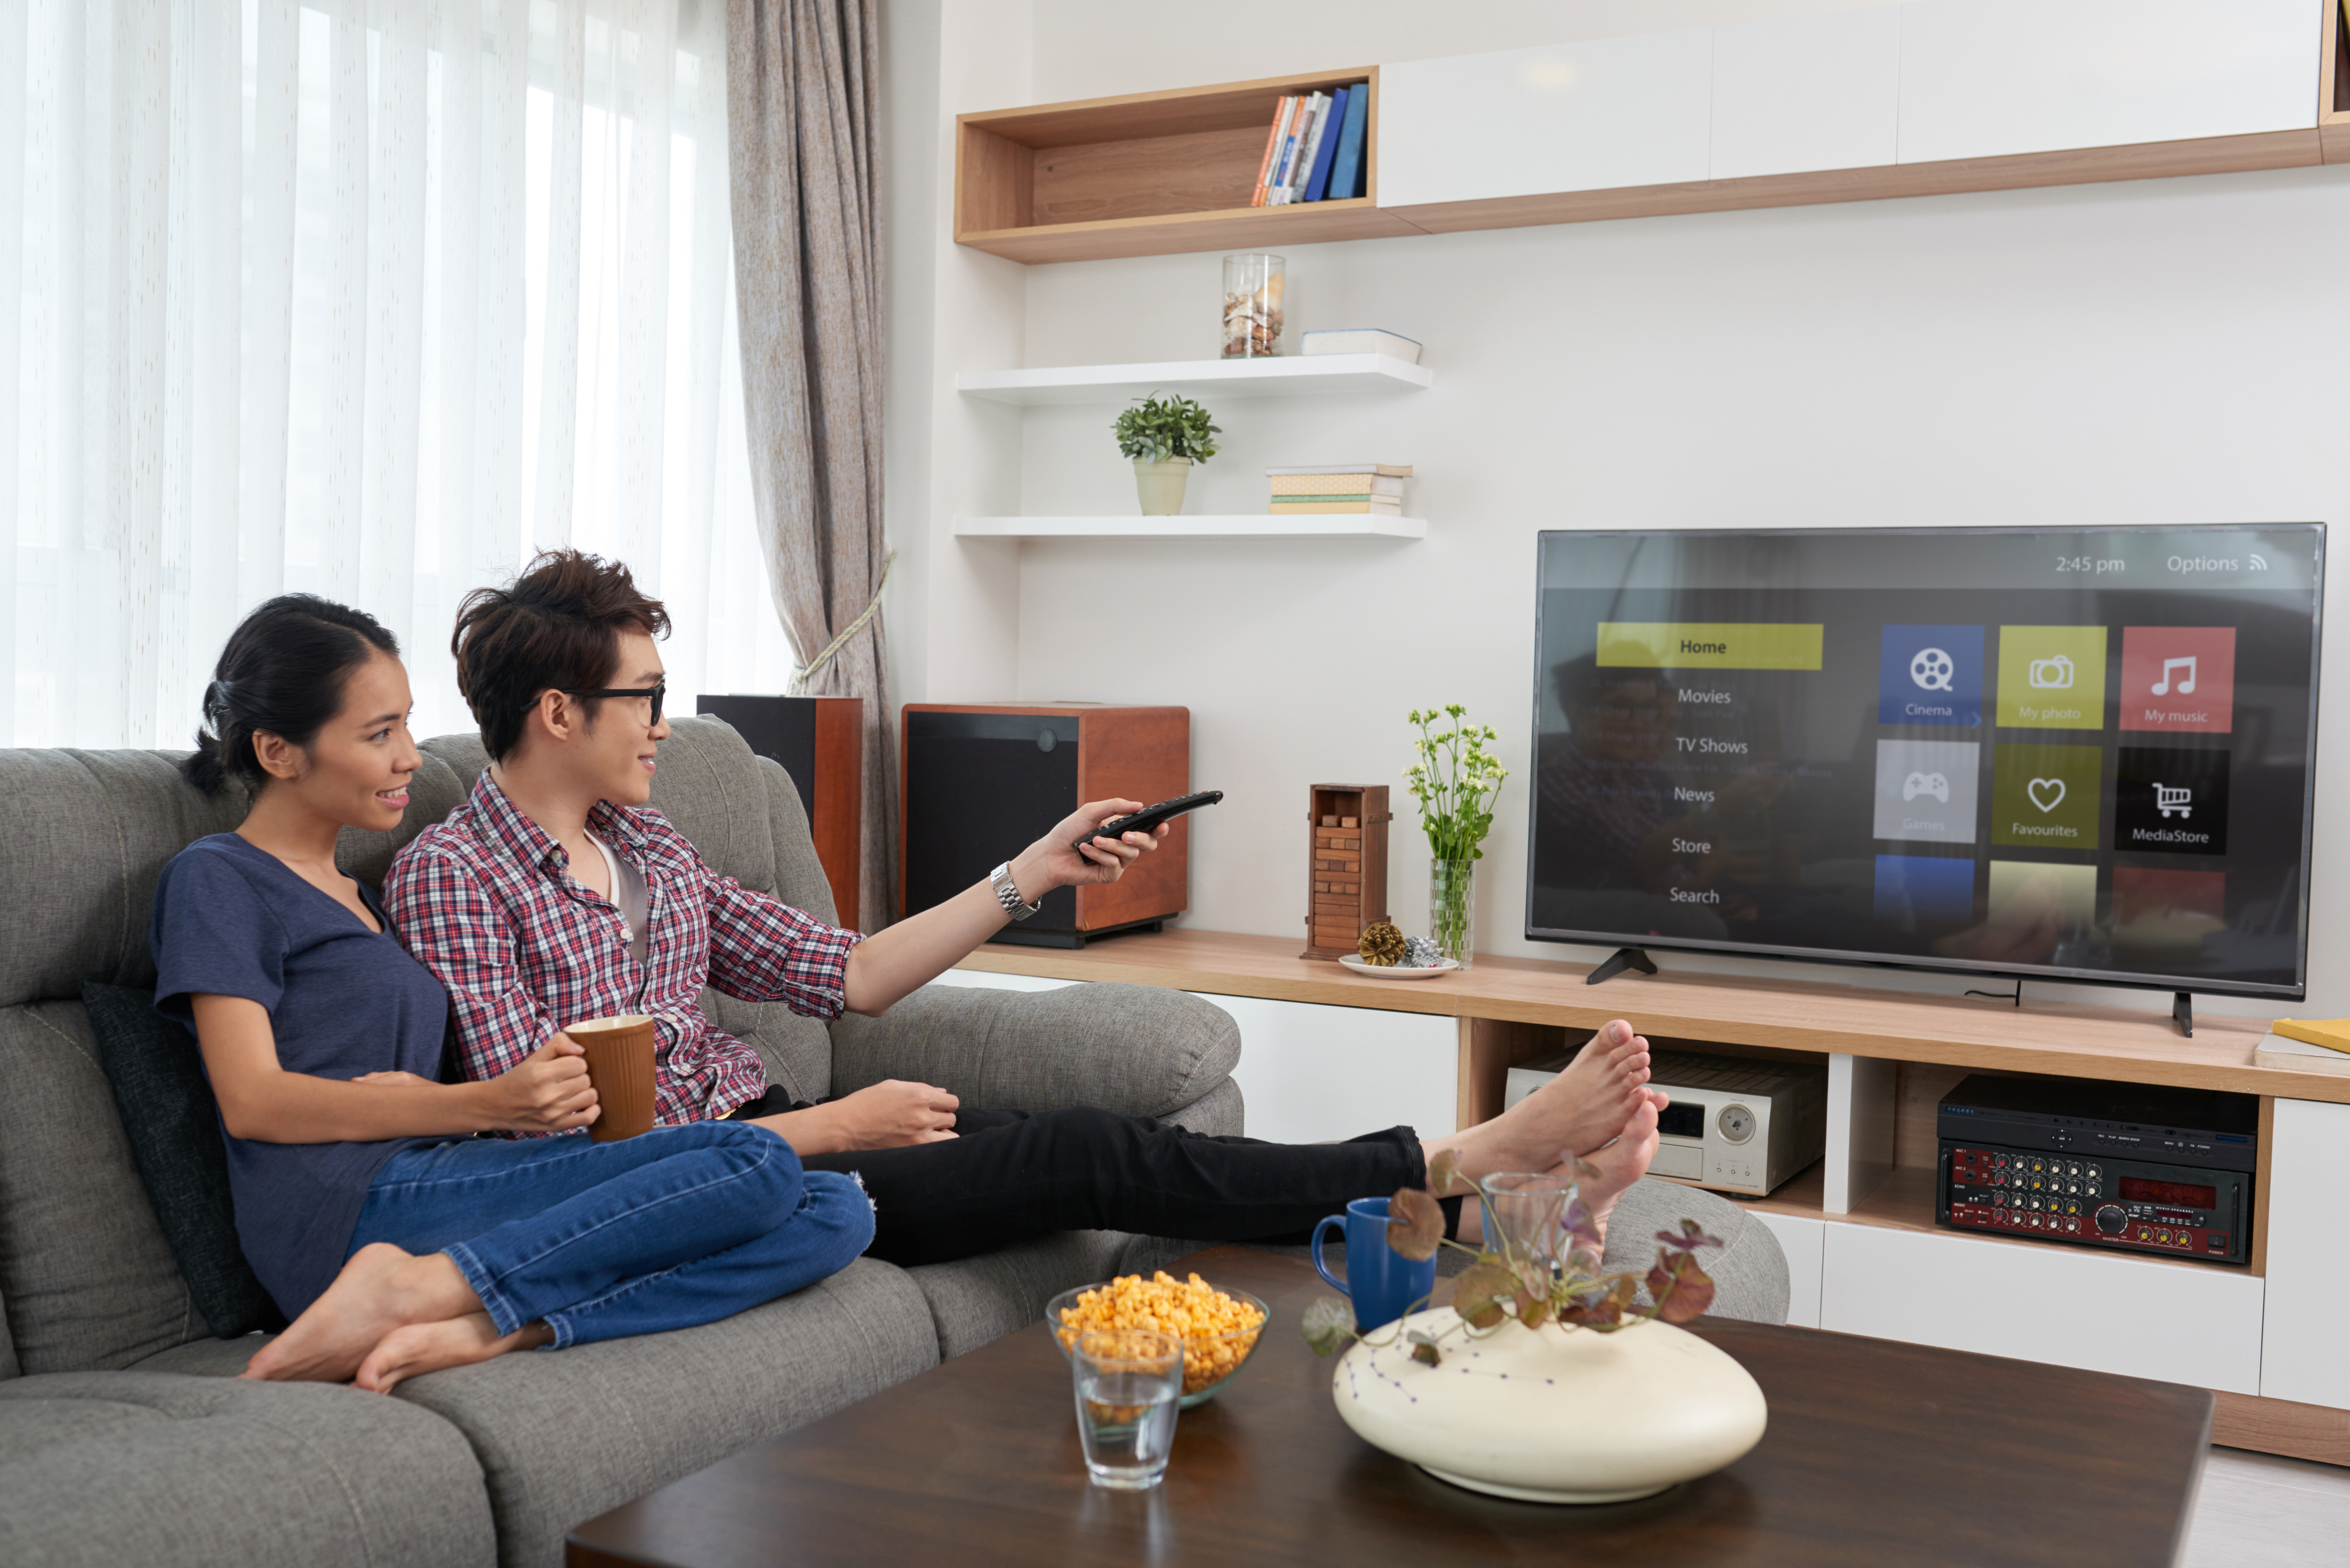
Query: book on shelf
column 1392, row 470
column 1318, row 116
column 1272, row 150
column 1326, row 147
column 1348, row 173
column 1364, row 506
column 2291, row 1055
column 1293, row 150
column 1334, row 486
column 1362, row 340
column 1284, row 127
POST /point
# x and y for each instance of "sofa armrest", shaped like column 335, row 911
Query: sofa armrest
column 1137, row 1049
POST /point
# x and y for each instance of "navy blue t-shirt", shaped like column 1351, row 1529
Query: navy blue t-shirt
column 235, row 921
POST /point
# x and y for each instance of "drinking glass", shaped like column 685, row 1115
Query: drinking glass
column 1128, row 1382
column 1526, row 1215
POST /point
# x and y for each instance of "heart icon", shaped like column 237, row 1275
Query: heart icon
column 2054, row 788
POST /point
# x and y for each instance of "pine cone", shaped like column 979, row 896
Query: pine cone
column 1380, row 945
column 1419, row 952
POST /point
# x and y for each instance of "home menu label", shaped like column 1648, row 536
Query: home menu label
column 2084, row 752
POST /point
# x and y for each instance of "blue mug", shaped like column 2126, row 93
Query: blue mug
column 1382, row 1283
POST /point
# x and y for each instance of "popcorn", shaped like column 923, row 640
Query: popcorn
column 1217, row 1331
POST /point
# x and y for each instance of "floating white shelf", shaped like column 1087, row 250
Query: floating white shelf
column 1293, row 375
column 1240, row 525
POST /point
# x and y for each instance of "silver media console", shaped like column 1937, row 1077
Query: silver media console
column 1736, row 1123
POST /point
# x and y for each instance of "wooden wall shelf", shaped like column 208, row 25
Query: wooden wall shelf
column 1236, row 525
column 1290, row 376
column 1148, row 174
column 1160, row 174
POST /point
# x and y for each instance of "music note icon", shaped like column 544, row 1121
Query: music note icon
column 2186, row 686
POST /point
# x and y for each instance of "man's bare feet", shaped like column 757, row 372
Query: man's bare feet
column 380, row 1289
column 422, row 1347
column 1579, row 1110
column 1608, row 1173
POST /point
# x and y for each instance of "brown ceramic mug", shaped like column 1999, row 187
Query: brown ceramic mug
column 621, row 1069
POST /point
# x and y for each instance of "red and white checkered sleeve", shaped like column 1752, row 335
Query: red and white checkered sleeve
column 763, row 950
column 450, row 924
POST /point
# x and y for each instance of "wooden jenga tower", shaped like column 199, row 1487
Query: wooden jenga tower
column 1348, row 873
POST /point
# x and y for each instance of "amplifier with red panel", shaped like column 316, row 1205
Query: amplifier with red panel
column 2130, row 1165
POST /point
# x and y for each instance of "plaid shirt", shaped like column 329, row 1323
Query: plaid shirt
column 487, row 902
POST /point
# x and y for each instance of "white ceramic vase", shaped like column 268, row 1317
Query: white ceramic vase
column 1553, row 1414
column 1160, row 485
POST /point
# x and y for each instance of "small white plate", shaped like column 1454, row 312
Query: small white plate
column 1396, row 971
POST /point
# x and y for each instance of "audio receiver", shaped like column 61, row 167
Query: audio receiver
column 2130, row 1165
column 1736, row 1123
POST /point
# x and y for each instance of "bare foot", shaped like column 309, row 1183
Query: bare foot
column 422, row 1347
column 1581, row 1109
column 380, row 1289
column 1609, row 1173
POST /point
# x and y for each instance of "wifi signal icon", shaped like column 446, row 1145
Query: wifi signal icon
column 2259, row 563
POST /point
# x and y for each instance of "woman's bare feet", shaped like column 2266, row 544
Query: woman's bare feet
column 1582, row 1108
column 379, row 1290
column 422, row 1347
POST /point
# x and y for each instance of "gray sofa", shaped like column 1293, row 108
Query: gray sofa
column 123, row 1437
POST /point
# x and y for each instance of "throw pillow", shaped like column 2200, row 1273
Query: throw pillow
column 174, row 1124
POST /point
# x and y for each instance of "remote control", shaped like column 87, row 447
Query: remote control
column 1150, row 817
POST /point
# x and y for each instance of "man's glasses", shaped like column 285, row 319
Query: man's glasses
column 655, row 694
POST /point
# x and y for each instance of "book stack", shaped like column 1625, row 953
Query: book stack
column 1372, row 488
column 1315, row 150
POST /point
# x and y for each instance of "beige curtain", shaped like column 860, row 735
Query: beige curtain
column 802, row 96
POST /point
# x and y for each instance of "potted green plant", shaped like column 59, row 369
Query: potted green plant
column 1164, row 436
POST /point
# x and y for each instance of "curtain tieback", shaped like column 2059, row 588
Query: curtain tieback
column 872, row 606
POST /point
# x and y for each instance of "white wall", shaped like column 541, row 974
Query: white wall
column 2144, row 352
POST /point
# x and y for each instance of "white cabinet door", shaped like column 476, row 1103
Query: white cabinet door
column 2303, row 1353
column 1981, row 78
column 1801, row 93
column 1805, row 1241
column 1311, row 1074
column 1567, row 117
column 2058, row 1305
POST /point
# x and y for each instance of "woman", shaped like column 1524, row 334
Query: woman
column 323, row 1041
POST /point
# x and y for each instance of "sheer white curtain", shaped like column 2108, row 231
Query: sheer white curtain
column 365, row 297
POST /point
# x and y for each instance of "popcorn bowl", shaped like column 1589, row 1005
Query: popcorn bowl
column 1210, row 1360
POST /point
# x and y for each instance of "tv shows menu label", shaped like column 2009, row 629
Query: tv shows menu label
column 2006, row 749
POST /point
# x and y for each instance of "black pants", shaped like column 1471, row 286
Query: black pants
column 1007, row 1174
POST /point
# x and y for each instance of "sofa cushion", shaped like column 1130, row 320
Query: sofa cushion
column 108, row 1469
column 87, row 1276
column 974, row 1301
column 564, row 1436
column 173, row 1127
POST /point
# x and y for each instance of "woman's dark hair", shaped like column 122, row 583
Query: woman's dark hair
column 555, row 628
column 284, row 672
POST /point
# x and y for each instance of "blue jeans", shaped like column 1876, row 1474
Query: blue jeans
column 675, row 1227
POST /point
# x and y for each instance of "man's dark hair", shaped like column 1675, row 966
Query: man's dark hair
column 555, row 626
column 283, row 672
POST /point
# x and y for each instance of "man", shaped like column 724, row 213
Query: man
column 554, row 895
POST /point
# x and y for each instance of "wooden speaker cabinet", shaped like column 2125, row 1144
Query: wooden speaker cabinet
column 820, row 743
column 1347, row 875
column 984, row 781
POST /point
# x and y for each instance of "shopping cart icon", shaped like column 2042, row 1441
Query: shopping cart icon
column 2168, row 800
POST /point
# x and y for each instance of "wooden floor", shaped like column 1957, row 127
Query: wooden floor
column 2257, row 1510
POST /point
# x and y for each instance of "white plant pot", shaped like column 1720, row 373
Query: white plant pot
column 1551, row 1414
column 1161, row 485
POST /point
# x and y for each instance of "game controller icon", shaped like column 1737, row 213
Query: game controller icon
column 1934, row 784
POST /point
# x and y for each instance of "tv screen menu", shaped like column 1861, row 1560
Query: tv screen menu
column 2080, row 752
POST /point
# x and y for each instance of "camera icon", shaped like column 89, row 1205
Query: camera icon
column 2052, row 673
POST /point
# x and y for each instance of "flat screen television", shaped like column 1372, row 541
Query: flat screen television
column 2082, row 754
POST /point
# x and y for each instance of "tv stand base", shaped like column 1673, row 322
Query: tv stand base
column 1624, row 958
column 2182, row 1011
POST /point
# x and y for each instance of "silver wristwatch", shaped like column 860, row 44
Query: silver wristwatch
column 1007, row 893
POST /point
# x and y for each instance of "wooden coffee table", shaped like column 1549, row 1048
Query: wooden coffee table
column 1877, row 1453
